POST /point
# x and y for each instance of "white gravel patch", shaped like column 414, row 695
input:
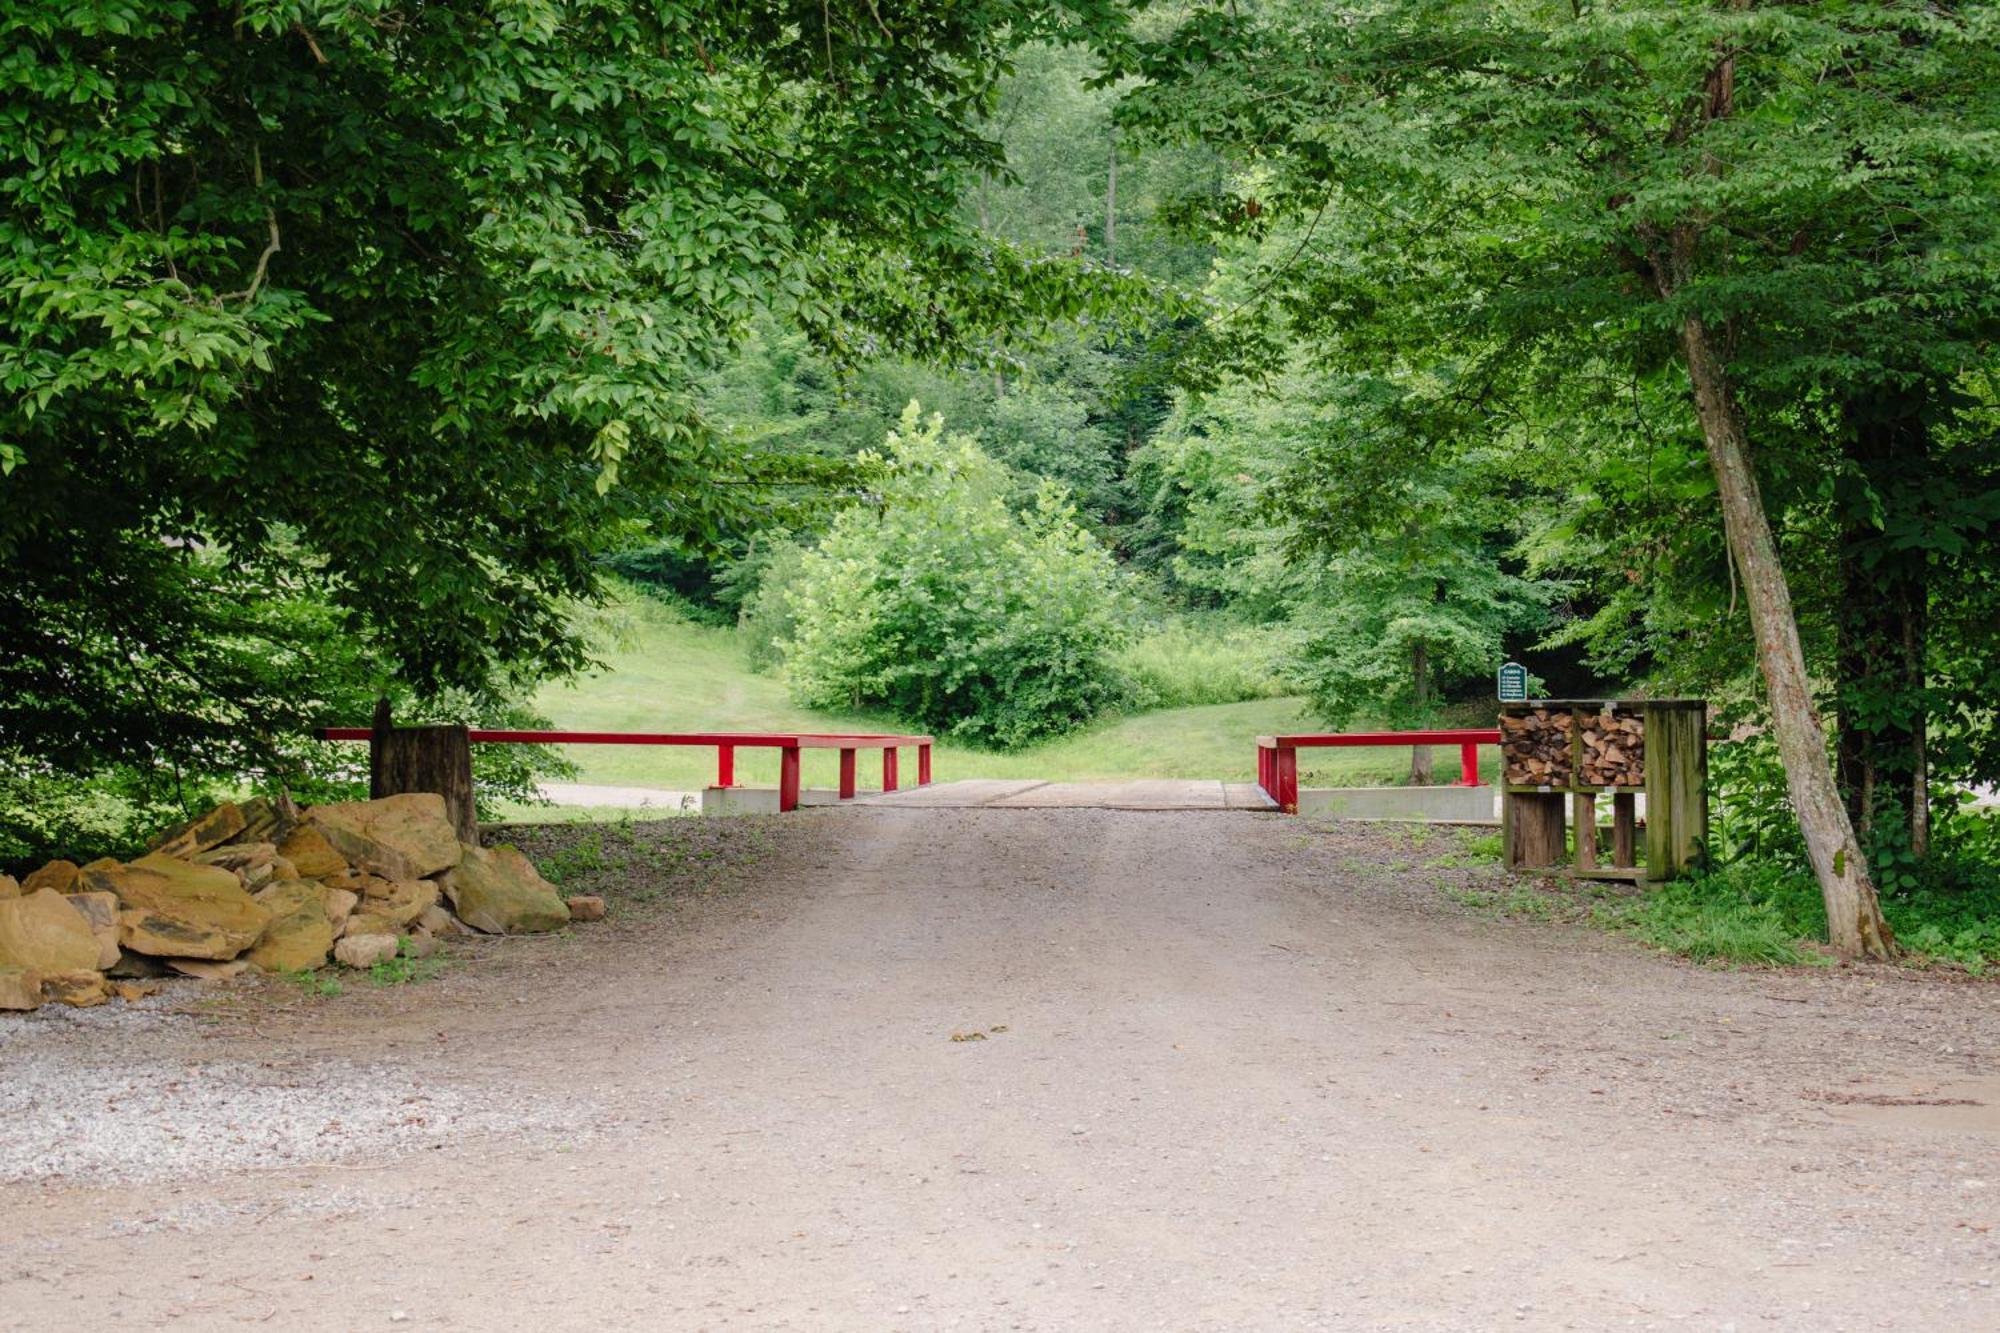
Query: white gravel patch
column 136, row 1117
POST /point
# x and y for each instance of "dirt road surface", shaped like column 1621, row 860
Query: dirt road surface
column 1212, row 1071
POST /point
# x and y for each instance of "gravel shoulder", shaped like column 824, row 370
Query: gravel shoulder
column 991, row 1069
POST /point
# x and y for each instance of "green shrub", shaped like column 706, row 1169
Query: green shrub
column 1760, row 912
column 1186, row 663
column 942, row 604
column 1741, row 914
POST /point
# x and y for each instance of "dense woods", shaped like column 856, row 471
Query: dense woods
column 350, row 349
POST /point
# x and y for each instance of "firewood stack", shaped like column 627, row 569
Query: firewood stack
column 1536, row 747
column 1614, row 750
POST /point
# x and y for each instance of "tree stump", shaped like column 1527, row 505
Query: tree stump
column 433, row 759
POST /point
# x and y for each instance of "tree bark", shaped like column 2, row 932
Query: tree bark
column 429, row 759
column 1853, row 913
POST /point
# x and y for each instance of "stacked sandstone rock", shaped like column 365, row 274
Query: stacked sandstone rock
column 264, row 885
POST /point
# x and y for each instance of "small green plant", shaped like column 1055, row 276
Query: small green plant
column 316, row 984
column 1718, row 932
column 584, row 856
column 404, row 970
column 1482, row 850
column 1512, row 899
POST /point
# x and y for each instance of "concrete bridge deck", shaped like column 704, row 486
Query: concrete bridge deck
column 1032, row 794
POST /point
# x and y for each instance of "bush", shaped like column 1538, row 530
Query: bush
column 1757, row 912
column 1743, row 913
column 942, row 604
column 1187, row 663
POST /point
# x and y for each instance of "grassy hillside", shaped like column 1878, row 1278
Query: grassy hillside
column 663, row 674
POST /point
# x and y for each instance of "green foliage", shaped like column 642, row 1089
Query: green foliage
column 319, row 985
column 1187, row 662
column 945, row 605
column 392, row 319
column 1524, row 225
column 1750, row 811
column 155, row 720
column 404, row 969
column 768, row 618
column 586, row 855
column 1314, row 499
column 1742, row 914
column 1400, row 623
column 45, row 813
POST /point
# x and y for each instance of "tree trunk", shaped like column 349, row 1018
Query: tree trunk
column 1111, row 203
column 1853, row 914
column 1420, row 690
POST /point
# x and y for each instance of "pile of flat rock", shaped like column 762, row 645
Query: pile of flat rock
column 267, row 885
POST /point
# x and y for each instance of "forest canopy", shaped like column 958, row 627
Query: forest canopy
column 1338, row 352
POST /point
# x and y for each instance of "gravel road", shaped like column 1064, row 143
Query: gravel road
column 1016, row 1069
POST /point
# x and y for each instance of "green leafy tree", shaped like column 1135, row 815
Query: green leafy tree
column 946, row 605
column 1756, row 194
column 1320, row 499
column 402, row 311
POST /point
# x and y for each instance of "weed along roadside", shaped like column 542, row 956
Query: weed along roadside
column 1729, row 916
column 372, row 887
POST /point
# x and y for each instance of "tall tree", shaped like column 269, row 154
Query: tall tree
column 402, row 308
column 1752, row 191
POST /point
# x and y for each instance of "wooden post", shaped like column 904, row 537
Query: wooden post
column 1287, row 763
column 888, row 768
column 432, row 759
column 384, row 723
column 725, row 766
column 1583, row 807
column 846, row 772
column 1536, row 829
column 923, row 765
column 1624, row 827
column 788, row 779
column 1676, row 786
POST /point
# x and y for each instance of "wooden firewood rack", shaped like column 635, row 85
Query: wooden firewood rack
column 1535, row 818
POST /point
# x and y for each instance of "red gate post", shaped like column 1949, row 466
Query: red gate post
column 788, row 779
column 1264, row 771
column 1288, row 779
column 923, row 765
column 725, row 766
column 1468, row 764
column 888, row 768
column 847, row 773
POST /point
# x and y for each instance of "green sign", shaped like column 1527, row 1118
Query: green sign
column 1513, row 683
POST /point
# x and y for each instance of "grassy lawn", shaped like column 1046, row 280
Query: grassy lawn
column 663, row 674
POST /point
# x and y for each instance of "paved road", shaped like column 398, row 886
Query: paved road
column 1039, row 1069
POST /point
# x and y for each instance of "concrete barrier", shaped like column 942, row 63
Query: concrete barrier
column 1439, row 805
column 759, row 800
